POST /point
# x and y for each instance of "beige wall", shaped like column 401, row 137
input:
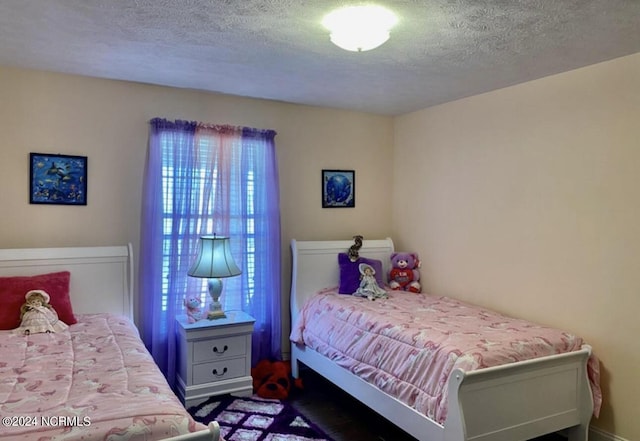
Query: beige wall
column 527, row 200
column 108, row 122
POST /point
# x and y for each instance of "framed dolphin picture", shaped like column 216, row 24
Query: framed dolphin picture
column 57, row 179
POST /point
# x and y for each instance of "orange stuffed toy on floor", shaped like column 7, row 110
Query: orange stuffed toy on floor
column 272, row 379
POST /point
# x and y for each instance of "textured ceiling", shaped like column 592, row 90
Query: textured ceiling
column 441, row 50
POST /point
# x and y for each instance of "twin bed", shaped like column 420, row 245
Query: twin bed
column 95, row 380
column 440, row 369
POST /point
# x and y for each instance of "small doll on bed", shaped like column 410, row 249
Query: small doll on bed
column 38, row 316
column 369, row 287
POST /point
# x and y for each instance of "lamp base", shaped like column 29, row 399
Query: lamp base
column 215, row 308
column 213, row 315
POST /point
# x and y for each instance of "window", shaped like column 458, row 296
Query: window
column 204, row 190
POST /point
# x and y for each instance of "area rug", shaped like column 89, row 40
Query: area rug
column 257, row 419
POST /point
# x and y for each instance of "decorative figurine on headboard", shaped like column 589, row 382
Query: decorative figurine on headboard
column 38, row 316
column 194, row 313
column 353, row 249
column 369, row 287
column 404, row 274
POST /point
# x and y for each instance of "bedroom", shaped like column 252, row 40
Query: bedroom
column 521, row 199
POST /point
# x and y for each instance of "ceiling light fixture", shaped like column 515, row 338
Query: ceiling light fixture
column 359, row 28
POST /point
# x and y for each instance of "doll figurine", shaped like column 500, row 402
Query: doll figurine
column 369, row 287
column 38, row 316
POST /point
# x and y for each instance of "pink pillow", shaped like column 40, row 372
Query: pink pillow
column 13, row 289
column 350, row 272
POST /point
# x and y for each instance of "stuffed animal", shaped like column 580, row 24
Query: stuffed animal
column 404, row 274
column 354, row 250
column 193, row 309
column 38, row 316
column 272, row 379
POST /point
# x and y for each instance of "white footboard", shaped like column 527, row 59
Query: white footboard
column 520, row 401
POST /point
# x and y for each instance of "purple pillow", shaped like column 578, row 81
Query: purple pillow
column 350, row 273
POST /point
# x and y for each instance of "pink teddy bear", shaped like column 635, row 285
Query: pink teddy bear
column 193, row 309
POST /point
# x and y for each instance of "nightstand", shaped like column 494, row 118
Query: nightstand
column 214, row 357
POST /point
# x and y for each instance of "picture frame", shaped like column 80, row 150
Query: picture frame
column 56, row 179
column 338, row 188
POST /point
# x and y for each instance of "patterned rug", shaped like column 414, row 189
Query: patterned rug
column 257, row 419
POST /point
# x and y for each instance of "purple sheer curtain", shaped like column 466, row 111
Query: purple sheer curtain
column 266, row 308
column 157, row 311
column 204, row 179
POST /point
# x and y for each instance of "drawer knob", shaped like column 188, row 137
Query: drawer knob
column 215, row 372
column 215, row 349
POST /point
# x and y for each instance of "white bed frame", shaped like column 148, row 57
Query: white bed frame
column 517, row 401
column 101, row 281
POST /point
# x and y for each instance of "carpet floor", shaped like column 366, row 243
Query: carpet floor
column 257, row 419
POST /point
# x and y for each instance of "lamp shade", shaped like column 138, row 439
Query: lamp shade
column 214, row 259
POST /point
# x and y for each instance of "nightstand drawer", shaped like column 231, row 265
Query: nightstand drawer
column 208, row 350
column 218, row 370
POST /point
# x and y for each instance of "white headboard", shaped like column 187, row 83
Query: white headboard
column 101, row 277
column 315, row 265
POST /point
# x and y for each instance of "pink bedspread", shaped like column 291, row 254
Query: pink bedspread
column 409, row 344
column 94, row 381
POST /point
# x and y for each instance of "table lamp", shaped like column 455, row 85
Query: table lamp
column 214, row 262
